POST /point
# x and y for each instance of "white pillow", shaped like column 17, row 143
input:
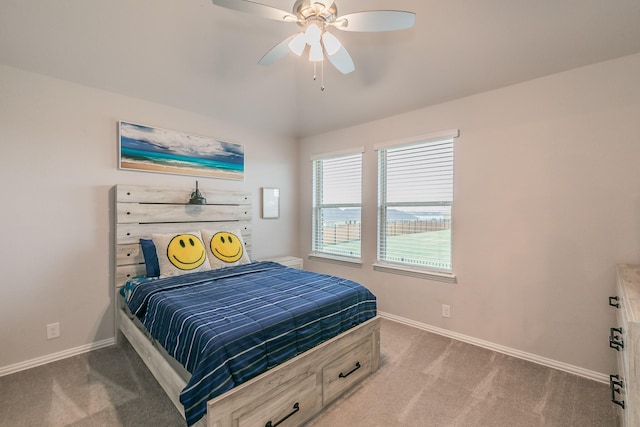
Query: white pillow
column 225, row 248
column 180, row 253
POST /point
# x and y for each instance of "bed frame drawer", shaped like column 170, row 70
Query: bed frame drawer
column 272, row 395
column 291, row 404
column 349, row 368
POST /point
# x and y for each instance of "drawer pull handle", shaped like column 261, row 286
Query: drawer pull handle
column 615, row 304
column 614, row 381
column 615, row 341
column 296, row 408
column 350, row 372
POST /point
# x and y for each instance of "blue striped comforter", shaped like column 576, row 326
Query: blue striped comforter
column 226, row 326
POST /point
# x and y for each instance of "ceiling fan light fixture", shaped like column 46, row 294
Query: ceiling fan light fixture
column 315, row 53
column 298, row 43
column 331, row 43
column 313, row 33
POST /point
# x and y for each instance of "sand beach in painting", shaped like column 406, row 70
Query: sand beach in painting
column 150, row 167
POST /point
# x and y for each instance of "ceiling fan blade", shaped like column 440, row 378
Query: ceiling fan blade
column 376, row 20
column 277, row 52
column 257, row 9
column 342, row 61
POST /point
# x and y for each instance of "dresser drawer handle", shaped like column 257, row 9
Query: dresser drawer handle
column 614, row 302
column 615, row 341
column 616, row 385
column 296, row 408
column 350, row 372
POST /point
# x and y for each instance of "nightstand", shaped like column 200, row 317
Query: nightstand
column 287, row 261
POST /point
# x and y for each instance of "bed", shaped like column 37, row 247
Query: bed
column 292, row 384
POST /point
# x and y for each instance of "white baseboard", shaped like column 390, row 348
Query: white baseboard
column 572, row 369
column 576, row 370
column 39, row 361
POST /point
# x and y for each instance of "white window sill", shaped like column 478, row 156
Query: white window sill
column 414, row 272
column 353, row 262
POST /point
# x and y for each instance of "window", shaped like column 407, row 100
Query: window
column 337, row 189
column 415, row 197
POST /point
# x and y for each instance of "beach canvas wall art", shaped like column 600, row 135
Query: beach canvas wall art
column 151, row 149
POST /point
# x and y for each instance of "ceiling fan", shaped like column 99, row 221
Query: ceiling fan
column 315, row 17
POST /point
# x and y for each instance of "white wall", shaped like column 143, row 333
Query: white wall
column 547, row 201
column 58, row 164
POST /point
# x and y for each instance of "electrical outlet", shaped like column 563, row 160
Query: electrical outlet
column 446, row 310
column 53, row 330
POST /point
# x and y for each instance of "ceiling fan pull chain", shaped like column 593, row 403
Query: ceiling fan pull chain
column 322, row 76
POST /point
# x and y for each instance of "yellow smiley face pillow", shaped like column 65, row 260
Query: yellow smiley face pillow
column 180, row 253
column 225, row 248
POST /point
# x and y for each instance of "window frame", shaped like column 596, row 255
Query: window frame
column 318, row 205
column 411, row 269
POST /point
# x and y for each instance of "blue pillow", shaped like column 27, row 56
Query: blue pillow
column 150, row 257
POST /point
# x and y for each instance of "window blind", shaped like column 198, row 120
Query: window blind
column 415, row 197
column 337, row 187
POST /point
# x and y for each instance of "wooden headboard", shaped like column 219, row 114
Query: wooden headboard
column 143, row 210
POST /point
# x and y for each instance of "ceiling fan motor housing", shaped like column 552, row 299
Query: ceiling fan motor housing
column 310, row 10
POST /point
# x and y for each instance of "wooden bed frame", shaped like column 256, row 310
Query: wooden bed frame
column 287, row 395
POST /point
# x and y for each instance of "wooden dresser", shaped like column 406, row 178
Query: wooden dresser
column 624, row 338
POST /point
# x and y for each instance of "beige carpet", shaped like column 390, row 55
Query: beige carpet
column 430, row 380
column 424, row 380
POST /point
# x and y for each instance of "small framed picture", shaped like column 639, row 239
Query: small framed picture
column 270, row 203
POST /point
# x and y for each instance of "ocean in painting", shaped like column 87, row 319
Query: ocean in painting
column 177, row 161
column 160, row 150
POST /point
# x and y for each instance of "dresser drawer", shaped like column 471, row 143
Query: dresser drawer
column 625, row 385
column 346, row 370
column 288, row 405
column 623, row 354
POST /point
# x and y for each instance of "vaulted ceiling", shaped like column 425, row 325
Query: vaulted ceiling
column 199, row 57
